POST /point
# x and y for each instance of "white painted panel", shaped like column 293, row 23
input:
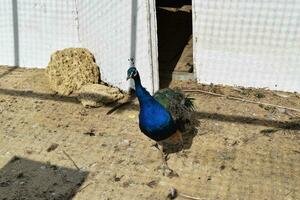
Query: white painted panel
column 106, row 29
column 248, row 43
column 33, row 29
column 6, row 33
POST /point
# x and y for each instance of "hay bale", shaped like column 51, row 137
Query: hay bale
column 70, row 69
column 97, row 95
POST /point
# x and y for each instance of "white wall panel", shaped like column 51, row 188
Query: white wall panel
column 106, row 29
column 248, row 43
column 7, row 52
column 33, row 29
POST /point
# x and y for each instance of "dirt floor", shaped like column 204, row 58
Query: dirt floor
column 240, row 151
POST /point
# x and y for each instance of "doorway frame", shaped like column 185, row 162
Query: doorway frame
column 152, row 23
column 153, row 42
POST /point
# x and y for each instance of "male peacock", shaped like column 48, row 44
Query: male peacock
column 162, row 116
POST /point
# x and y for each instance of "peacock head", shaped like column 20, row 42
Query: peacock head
column 132, row 73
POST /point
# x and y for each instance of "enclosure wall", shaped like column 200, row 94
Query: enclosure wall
column 113, row 30
column 31, row 30
column 248, row 43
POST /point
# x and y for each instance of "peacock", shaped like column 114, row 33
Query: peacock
column 162, row 117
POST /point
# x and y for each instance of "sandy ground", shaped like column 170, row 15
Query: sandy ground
column 240, row 151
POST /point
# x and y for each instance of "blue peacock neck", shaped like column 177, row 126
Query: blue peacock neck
column 141, row 93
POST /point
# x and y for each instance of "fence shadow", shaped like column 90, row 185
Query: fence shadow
column 55, row 96
column 286, row 125
column 37, row 95
column 10, row 70
column 21, row 178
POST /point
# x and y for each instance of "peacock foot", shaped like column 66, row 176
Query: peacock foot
column 167, row 171
column 155, row 144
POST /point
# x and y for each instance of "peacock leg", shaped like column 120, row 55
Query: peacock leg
column 163, row 156
column 181, row 141
column 166, row 170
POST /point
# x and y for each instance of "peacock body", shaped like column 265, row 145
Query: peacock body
column 179, row 105
column 163, row 114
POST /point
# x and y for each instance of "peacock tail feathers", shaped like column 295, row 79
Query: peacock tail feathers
column 178, row 104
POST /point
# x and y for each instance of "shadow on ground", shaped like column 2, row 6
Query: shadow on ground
column 21, row 178
column 54, row 96
column 188, row 135
column 10, row 70
column 288, row 125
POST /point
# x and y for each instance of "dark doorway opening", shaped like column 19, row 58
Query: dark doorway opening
column 175, row 43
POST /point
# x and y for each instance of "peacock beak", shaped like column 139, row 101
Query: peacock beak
column 129, row 76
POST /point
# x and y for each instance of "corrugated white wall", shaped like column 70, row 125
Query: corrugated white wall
column 32, row 30
column 248, row 43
